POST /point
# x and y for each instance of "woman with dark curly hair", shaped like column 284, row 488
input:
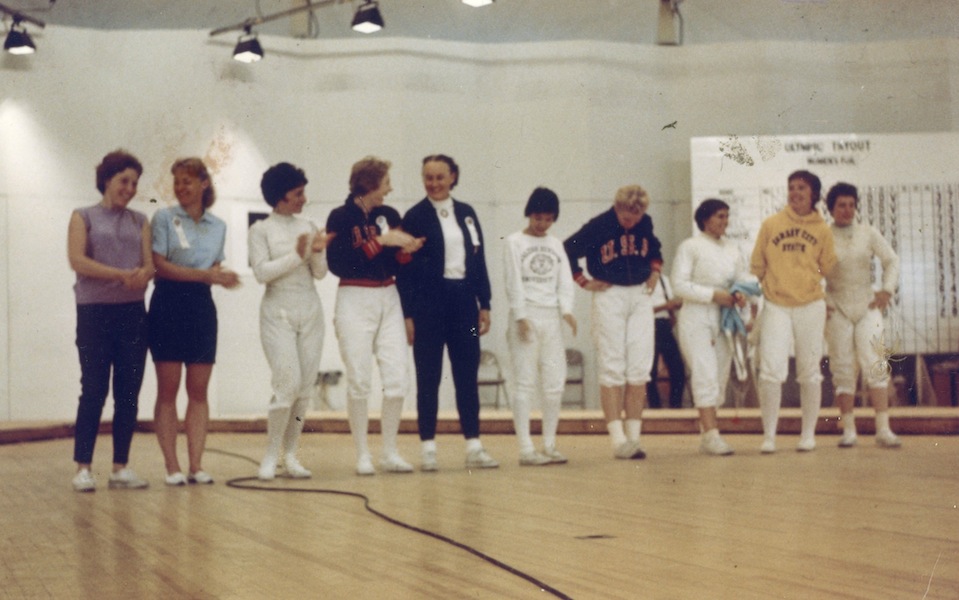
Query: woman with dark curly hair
column 109, row 249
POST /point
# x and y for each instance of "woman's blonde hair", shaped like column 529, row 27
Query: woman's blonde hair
column 367, row 175
column 630, row 197
column 195, row 167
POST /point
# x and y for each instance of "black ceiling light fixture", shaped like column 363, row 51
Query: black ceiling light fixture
column 248, row 49
column 18, row 41
column 368, row 18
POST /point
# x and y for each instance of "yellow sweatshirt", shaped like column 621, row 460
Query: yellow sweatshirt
column 792, row 255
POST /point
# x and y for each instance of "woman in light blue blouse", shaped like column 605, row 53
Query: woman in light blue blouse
column 187, row 251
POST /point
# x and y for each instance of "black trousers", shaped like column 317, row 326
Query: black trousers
column 109, row 335
column 451, row 321
column 668, row 348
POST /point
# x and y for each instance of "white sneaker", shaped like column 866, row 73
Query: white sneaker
column 629, row 450
column 364, row 466
column 479, row 459
column 715, row 446
column 83, row 481
column 201, row 477
column 533, row 458
column 848, row 440
column 554, row 455
column 394, row 463
column 177, row 478
column 126, row 479
column 806, row 445
column 267, row 470
column 428, row 462
column 885, row 438
column 295, row 470
column 768, row 446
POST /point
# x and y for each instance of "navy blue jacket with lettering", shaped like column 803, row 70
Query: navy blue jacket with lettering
column 354, row 254
column 613, row 254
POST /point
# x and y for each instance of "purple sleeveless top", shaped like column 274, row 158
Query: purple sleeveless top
column 114, row 238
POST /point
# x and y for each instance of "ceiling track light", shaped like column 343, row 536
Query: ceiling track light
column 248, row 49
column 477, row 3
column 18, row 40
column 368, row 18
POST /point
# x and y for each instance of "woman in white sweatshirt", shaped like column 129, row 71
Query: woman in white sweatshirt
column 539, row 288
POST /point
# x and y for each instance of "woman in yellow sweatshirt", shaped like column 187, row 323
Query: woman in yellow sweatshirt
column 794, row 251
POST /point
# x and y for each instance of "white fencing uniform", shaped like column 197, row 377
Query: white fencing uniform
column 291, row 322
column 702, row 265
column 855, row 331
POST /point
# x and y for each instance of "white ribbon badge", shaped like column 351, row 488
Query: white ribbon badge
column 180, row 233
column 474, row 235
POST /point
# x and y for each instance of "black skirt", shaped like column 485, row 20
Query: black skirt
column 182, row 322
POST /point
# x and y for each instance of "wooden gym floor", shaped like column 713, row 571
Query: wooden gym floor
column 859, row 523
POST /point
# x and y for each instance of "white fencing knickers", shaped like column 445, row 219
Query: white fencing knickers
column 541, row 358
column 707, row 353
column 782, row 328
column 369, row 323
column 624, row 334
column 857, row 344
column 291, row 331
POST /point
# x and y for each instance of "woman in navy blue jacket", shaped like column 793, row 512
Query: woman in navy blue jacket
column 445, row 292
column 624, row 260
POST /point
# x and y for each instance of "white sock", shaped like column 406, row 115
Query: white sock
column 428, row 446
column 849, row 423
column 770, row 397
column 521, row 422
column 810, row 399
column 711, row 434
column 359, row 418
column 390, row 416
column 551, row 410
column 473, row 445
column 616, row 434
column 882, row 421
column 276, row 421
column 633, row 429
column 291, row 437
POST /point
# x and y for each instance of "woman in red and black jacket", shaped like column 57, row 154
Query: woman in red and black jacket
column 367, row 249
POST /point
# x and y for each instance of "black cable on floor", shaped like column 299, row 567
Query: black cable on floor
column 240, row 483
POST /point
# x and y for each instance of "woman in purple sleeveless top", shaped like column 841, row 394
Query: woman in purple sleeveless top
column 109, row 247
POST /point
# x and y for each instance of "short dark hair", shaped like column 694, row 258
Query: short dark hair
column 113, row 163
column 841, row 189
column 811, row 180
column 707, row 209
column 280, row 179
column 543, row 200
column 454, row 168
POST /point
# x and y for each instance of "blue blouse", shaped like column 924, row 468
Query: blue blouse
column 185, row 242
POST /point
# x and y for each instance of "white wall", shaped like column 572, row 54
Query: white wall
column 582, row 118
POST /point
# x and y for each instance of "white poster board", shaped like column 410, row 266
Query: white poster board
column 908, row 189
